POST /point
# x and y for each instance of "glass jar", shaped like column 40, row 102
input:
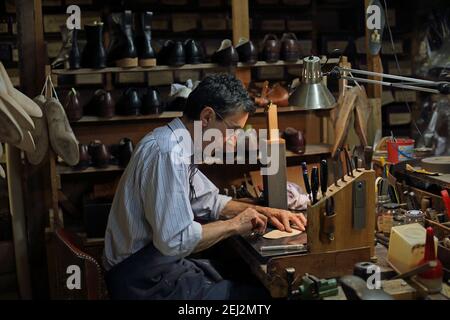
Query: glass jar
column 415, row 216
column 381, row 201
column 390, row 211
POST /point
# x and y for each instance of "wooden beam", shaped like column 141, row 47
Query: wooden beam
column 32, row 60
column 241, row 28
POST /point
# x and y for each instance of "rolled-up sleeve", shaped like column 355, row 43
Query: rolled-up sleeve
column 165, row 195
column 208, row 203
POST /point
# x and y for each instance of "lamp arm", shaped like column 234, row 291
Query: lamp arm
column 414, row 83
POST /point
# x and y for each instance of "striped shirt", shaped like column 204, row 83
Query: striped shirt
column 153, row 203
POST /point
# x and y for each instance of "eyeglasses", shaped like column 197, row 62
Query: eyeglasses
column 229, row 125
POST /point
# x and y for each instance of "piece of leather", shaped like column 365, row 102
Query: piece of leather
column 277, row 234
column 276, row 94
column 94, row 54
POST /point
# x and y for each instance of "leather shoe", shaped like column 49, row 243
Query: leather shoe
column 151, row 102
column 194, row 53
column 85, row 157
column 99, row 153
column 226, row 55
column 247, row 51
column 172, row 54
column 295, row 140
column 129, row 104
column 73, row 107
column 103, row 103
column 290, row 49
column 271, row 48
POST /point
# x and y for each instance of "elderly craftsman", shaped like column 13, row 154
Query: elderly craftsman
column 152, row 226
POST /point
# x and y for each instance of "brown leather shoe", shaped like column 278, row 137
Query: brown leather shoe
column 100, row 154
column 72, row 106
column 247, row 51
column 103, row 103
column 271, row 48
column 295, row 140
column 290, row 49
column 226, row 55
column 85, row 158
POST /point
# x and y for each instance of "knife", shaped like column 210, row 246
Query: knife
column 339, row 165
column 306, row 179
column 368, row 153
column 329, row 210
column 314, row 183
column 323, row 176
column 348, row 162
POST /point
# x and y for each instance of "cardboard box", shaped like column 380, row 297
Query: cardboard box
column 299, row 25
column 296, row 2
column 209, row 3
column 405, row 95
column 159, row 78
column 214, row 23
column 15, row 55
column 161, row 23
column 53, row 48
column 405, row 68
column 269, row 73
column 53, row 22
column 184, row 22
column 184, row 75
column 130, row 77
column 4, row 27
column 88, row 79
column 174, row 2
column 267, row 2
column 273, row 25
column 53, row 3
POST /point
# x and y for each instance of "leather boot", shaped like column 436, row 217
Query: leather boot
column 146, row 53
column 271, row 48
column 69, row 54
column 247, row 51
column 151, row 102
column 122, row 51
column 290, row 49
column 94, row 54
column 129, row 104
column 226, row 55
column 73, row 107
column 99, row 153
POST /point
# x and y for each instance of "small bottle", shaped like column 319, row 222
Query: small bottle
column 390, row 210
column 382, row 200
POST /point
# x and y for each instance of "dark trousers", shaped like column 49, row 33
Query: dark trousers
column 149, row 275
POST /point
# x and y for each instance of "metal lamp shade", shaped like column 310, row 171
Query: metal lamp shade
column 312, row 94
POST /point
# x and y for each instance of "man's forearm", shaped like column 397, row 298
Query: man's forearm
column 233, row 208
column 214, row 232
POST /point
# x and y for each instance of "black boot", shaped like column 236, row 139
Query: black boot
column 122, row 51
column 146, row 54
column 129, row 104
column 69, row 47
column 94, row 54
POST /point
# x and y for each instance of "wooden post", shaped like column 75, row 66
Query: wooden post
column 241, row 28
column 36, row 195
column 374, row 91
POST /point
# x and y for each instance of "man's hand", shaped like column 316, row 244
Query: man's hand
column 283, row 220
column 248, row 221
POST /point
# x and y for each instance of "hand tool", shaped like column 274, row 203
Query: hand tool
column 348, row 163
column 287, row 247
column 314, row 183
column 340, row 165
column 446, row 199
column 329, row 210
column 323, row 176
column 306, row 179
column 368, row 154
column 335, row 173
column 356, row 162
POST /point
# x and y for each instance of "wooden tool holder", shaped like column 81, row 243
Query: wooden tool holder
column 342, row 223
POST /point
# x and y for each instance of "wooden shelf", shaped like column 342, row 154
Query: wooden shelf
column 311, row 150
column 66, row 170
column 164, row 115
column 201, row 66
